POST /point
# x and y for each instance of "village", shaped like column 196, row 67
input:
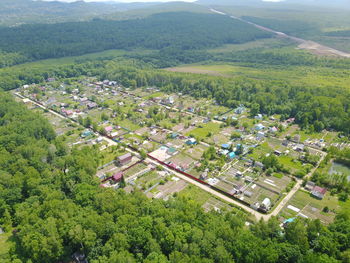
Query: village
column 172, row 144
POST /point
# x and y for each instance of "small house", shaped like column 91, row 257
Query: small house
column 174, row 135
column 310, row 186
column 191, row 141
column 117, row 177
column 300, row 147
column 260, row 135
column 318, row 192
column 259, row 127
column 231, row 155
column 249, row 179
column 124, row 159
column 296, row 138
column 288, row 221
column 273, row 129
column 91, row 105
column 86, row 133
column 258, row 117
column 109, row 129
column 225, row 146
column 259, row 165
column 285, row 143
column 266, row 204
column 171, row 151
column 248, row 193
column 204, row 175
column 239, row 110
column 278, row 153
column 191, row 109
column 114, row 134
column 290, row 120
column 224, row 152
column 239, row 174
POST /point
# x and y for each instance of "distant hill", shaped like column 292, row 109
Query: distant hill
column 16, row 12
column 156, row 8
column 283, row 3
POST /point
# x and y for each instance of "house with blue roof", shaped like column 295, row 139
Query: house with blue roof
column 231, row 155
column 225, row 146
column 259, row 127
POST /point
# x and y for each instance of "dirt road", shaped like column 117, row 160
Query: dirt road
column 309, row 45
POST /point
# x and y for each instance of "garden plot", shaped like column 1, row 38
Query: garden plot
column 176, row 143
column 182, row 161
column 175, row 185
column 108, row 171
column 143, row 131
column 216, row 205
column 161, row 153
column 179, row 127
column 255, row 193
column 194, row 172
column 274, row 183
column 111, row 168
column 227, row 132
column 148, row 181
column 149, row 146
column 304, row 205
column 136, row 170
column 196, row 152
column 218, row 139
column 159, row 137
column 226, row 186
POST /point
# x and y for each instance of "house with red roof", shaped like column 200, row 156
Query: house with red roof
column 318, row 192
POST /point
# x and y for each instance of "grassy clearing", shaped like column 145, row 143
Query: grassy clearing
column 297, row 75
column 290, row 163
column 260, row 43
column 204, row 130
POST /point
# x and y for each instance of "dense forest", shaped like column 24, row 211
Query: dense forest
column 52, row 203
column 182, row 30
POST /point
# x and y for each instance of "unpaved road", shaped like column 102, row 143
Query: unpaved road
column 309, row 45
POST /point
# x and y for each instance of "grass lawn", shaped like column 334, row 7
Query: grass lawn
column 289, row 162
column 202, row 132
column 128, row 124
column 109, row 155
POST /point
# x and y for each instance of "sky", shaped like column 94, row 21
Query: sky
column 124, row 1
